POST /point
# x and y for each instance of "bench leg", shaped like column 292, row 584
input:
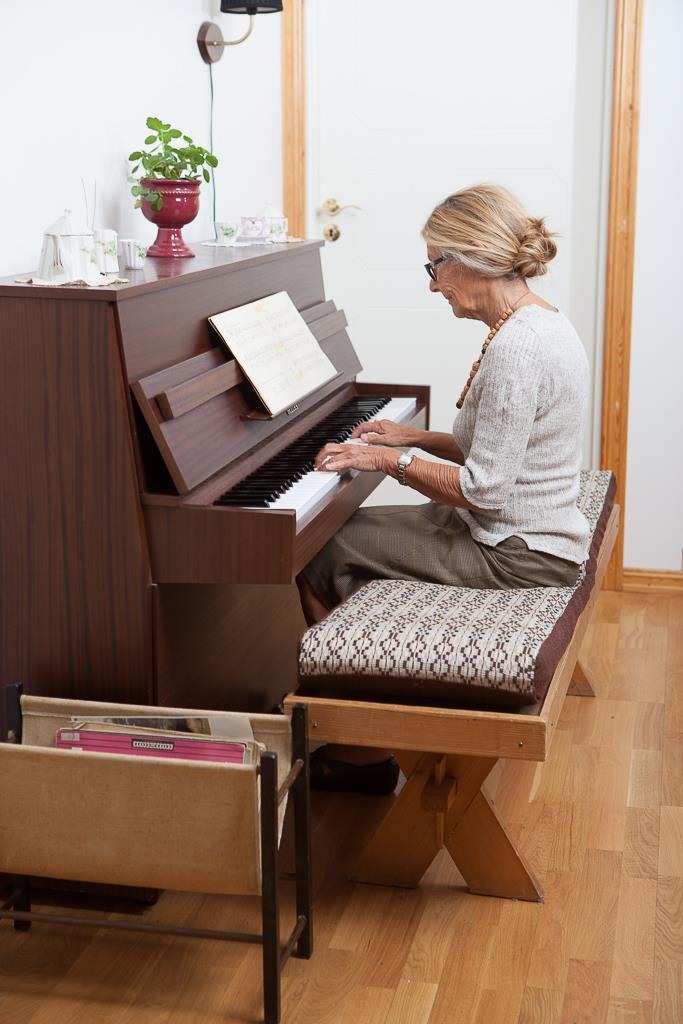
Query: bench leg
column 406, row 842
column 487, row 858
column 580, row 685
column 441, row 805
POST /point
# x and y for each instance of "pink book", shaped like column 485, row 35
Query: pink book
column 150, row 744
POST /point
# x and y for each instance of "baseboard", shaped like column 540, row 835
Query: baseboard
column 653, row 581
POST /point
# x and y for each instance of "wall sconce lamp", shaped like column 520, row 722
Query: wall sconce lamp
column 210, row 38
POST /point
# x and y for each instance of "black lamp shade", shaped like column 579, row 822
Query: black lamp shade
column 239, row 7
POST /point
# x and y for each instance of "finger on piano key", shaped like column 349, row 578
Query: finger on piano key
column 295, row 480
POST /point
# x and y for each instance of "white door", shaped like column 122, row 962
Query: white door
column 409, row 102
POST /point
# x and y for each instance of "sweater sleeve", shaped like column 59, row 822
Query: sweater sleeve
column 508, row 404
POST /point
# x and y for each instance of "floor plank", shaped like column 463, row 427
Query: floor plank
column 634, row 948
column 586, row 998
column 671, row 841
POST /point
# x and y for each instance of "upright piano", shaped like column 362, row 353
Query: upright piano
column 152, row 517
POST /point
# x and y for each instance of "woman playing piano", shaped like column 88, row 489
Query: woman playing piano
column 502, row 499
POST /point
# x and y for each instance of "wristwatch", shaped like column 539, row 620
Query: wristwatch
column 404, row 461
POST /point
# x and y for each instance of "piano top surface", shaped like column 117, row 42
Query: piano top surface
column 157, row 273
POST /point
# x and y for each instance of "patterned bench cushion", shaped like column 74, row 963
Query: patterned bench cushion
column 430, row 642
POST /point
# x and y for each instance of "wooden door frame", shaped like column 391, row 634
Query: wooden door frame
column 621, row 229
column 294, row 116
column 620, row 240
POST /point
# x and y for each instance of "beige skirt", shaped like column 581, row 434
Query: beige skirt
column 431, row 544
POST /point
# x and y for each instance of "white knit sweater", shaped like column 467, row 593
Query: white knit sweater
column 520, row 430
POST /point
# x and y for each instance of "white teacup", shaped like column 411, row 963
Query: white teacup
column 227, row 231
column 277, row 228
column 254, row 227
column 134, row 253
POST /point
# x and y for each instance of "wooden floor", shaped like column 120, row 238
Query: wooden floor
column 602, row 823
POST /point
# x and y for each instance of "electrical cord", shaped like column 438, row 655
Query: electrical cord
column 213, row 173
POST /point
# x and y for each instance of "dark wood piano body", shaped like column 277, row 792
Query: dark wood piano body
column 120, row 579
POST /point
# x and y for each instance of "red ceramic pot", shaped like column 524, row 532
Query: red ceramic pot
column 180, row 206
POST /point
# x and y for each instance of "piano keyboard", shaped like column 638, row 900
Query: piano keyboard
column 288, row 481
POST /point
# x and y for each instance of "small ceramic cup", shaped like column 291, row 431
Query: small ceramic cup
column 227, row 231
column 134, row 253
column 254, row 227
column 278, row 229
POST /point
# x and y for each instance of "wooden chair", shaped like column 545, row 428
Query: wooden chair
column 155, row 823
column 446, row 754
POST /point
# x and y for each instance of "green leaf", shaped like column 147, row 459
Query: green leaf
column 158, row 203
column 168, row 161
column 136, row 168
column 138, row 204
column 136, row 190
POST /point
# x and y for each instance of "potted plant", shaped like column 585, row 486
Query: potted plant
column 168, row 190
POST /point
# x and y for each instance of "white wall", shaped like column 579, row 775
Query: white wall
column 77, row 80
column 654, row 486
column 431, row 101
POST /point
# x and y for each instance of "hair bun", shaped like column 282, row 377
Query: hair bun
column 536, row 248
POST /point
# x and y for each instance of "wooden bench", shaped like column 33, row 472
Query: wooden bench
column 446, row 754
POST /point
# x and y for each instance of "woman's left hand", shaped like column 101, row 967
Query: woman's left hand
column 337, row 458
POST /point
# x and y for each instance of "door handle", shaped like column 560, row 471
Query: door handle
column 331, row 207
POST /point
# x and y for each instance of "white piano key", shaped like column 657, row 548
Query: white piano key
column 304, row 495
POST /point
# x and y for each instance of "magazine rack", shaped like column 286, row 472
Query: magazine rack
column 155, row 823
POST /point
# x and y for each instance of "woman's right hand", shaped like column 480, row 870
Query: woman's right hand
column 386, row 432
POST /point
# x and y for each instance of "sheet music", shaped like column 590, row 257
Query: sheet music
column 275, row 349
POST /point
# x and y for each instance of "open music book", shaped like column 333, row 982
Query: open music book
column 275, row 349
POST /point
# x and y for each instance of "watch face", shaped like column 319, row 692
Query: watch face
column 402, row 464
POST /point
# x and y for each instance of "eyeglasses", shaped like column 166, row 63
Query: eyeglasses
column 429, row 267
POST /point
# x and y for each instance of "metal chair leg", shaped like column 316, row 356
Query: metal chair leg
column 21, row 900
column 302, row 831
column 270, row 910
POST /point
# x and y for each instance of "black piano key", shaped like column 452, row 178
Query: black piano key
column 278, row 474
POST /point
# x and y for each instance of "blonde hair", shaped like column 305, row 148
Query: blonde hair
column 485, row 229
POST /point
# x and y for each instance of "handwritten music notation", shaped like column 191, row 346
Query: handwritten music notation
column 275, row 349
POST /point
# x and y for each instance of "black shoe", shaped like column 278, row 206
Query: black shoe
column 341, row 777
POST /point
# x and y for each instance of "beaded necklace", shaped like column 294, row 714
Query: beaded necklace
column 475, row 366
